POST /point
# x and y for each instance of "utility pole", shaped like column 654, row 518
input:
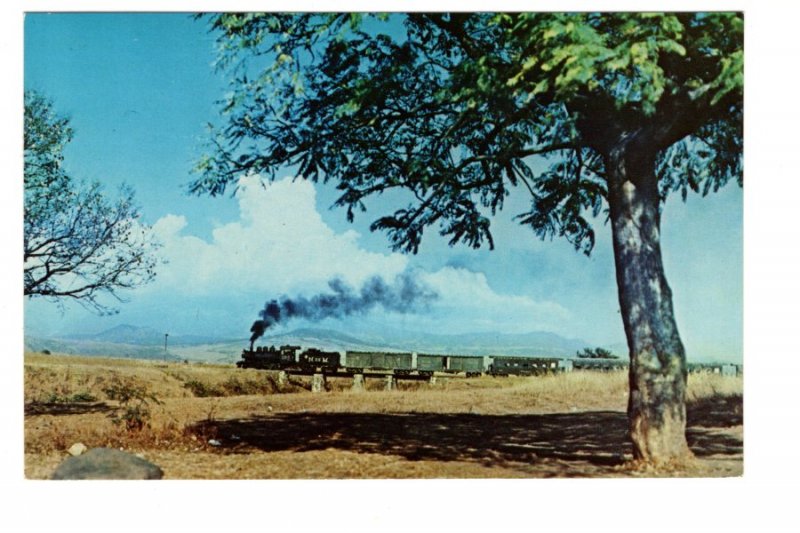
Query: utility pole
column 165, row 345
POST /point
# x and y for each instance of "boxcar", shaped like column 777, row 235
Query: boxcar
column 400, row 362
column 470, row 364
column 429, row 363
column 522, row 366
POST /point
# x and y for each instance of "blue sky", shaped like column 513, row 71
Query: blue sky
column 140, row 89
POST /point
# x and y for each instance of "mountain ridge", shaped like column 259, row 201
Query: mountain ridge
column 133, row 341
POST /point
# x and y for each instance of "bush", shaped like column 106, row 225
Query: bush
column 78, row 397
column 597, row 353
column 202, row 390
column 134, row 403
column 233, row 386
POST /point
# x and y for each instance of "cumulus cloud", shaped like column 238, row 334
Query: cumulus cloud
column 469, row 299
column 281, row 246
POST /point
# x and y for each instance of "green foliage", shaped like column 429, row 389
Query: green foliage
column 451, row 109
column 597, row 353
column 134, row 403
column 78, row 397
column 78, row 244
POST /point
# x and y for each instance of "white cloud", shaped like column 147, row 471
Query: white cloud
column 281, row 246
column 468, row 298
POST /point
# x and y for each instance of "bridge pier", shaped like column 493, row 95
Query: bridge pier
column 283, row 378
column 318, row 383
column 358, row 383
column 390, row 383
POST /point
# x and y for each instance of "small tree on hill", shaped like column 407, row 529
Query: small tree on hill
column 597, row 353
column 450, row 109
column 78, row 244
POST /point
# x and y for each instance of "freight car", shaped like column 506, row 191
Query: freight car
column 400, row 363
column 522, row 366
column 471, row 365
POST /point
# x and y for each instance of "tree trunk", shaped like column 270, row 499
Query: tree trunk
column 656, row 406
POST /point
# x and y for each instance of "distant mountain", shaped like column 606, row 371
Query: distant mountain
column 140, row 336
column 96, row 348
column 533, row 343
column 147, row 343
column 141, row 342
column 122, row 334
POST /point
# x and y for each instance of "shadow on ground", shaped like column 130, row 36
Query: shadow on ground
column 596, row 437
column 61, row 408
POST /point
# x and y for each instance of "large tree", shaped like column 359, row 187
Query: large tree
column 78, row 243
column 453, row 107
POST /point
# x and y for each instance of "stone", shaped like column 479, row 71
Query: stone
column 105, row 463
column 77, row 449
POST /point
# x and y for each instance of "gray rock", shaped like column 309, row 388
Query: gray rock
column 105, row 463
column 77, row 449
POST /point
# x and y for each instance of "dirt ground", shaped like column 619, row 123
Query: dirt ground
column 219, row 422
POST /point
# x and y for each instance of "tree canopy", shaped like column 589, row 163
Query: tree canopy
column 451, row 108
column 78, row 244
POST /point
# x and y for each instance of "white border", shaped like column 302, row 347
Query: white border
column 762, row 501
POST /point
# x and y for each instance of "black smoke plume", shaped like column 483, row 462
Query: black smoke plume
column 403, row 296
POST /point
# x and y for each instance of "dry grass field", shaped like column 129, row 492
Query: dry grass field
column 200, row 421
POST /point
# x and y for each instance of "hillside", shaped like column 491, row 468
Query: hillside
column 147, row 343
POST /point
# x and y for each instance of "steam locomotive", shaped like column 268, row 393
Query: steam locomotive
column 294, row 358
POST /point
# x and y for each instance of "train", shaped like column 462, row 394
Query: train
column 295, row 359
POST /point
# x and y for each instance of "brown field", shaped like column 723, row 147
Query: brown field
column 567, row 425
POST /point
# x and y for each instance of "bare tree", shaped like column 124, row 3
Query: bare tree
column 79, row 244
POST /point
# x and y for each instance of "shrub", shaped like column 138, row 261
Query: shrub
column 134, row 403
column 202, row 390
column 597, row 353
column 78, row 397
column 85, row 396
column 233, row 386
